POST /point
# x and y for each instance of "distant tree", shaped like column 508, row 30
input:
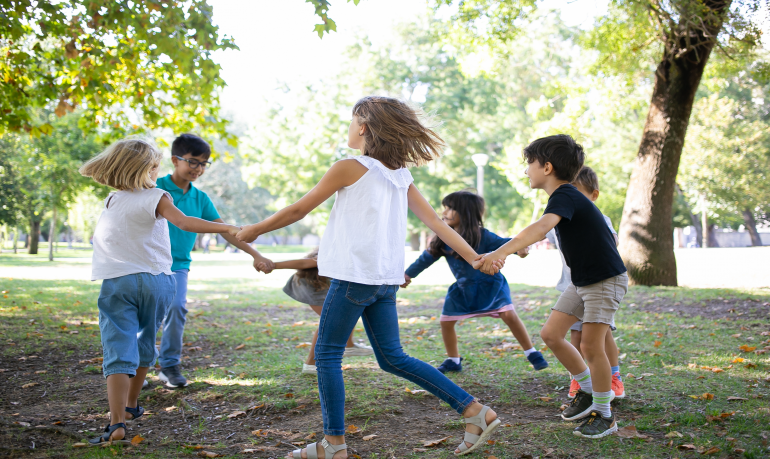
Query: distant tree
column 11, row 196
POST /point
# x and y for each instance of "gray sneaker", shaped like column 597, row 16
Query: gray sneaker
column 172, row 377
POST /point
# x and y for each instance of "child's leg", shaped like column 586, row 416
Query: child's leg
column 117, row 396
column 611, row 348
column 311, row 355
column 553, row 333
column 592, row 344
column 174, row 322
column 518, row 329
column 450, row 338
column 135, row 387
column 574, row 339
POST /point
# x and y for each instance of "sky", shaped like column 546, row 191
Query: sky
column 278, row 45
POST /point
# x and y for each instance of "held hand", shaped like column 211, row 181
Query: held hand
column 523, row 252
column 407, row 281
column 248, row 234
column 264, row 265
column 493, row 263
column 233, row 230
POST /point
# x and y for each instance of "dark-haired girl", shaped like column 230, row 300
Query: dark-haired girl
column 362, row 251
column 474, row 294
column 307, row 286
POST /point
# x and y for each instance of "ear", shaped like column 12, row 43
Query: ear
column 595, row 195
column 362, row 129
column 547, row 169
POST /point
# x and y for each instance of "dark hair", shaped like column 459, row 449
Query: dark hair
column 395, row 133
column 311, row 274
column 190, row 143
column 470, row 210
column 588, row 179
column 565, row 155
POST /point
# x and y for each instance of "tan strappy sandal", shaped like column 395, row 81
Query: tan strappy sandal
column 312, row 453
column 479, row 420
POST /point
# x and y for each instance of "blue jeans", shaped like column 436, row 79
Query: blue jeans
column 130, row 311
column 173, row 323
column 376, row 305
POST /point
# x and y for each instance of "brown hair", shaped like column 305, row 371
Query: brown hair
column 311, row 274
column 397, row 134
column 469, row 208
column 124, row 165
column 587, row 179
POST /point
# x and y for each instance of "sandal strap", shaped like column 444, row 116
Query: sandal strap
column 135, row 412
column 471, row 438
column 312, row 452
column 480, row 419
column 296, row 454
column 463, row 447
column 333, row 449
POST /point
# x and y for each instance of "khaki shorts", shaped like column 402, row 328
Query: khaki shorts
column 595, row 303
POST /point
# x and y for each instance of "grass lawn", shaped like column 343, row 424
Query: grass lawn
column 685, row 353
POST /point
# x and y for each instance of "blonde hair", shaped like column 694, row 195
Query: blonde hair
column 397, row 134
column 124, row 165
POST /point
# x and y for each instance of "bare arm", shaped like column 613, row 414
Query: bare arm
column 528, row 236
column 340, row 175
column 302, row 263
column 423, row 210
column 168, row 210
column 258, row 258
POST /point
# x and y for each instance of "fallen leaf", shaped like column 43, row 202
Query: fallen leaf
column 351, row 429
column 657, row 343
column 545, row 399
column 712, row 450
column 41, row 372
column 737, row 335
column 370, row 437
column 249, row 338
column 79, row 445
column 491, row 457
column 419, row 450
column 301, row 345
column 236, row 414
column 750, row 365
column 430, row 443
column 194, row 446
column 674, row 434
column 737, row 360
column 739, row 450
column 259, row 433
column 747, row 348
column 688, row 447
column 298, row 443
column 346, row 367
column 208, row 454
column 717, row 370
column 311, row 436
column 731, row 399
column 28, row 385
column 137, row 439
column 239, row 347
column 692, row 365
column 171, row 408
column 629, row 432
column 256, row 407
column 289, row 395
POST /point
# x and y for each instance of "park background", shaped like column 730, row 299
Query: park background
column 271, row 86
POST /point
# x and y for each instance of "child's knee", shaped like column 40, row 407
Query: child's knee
column 591, row 350
column 549, row 336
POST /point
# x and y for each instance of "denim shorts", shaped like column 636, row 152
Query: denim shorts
column 131, row 309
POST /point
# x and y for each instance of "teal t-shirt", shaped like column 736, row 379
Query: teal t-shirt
column 194, row 203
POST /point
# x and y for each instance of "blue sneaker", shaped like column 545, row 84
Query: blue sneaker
column 537, row 360
column 449, row 365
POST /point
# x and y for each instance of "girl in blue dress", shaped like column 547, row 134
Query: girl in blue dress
column 475, row 294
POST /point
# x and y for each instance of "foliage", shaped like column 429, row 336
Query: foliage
column 321, row 10
column 11, row 196
column 129, row 66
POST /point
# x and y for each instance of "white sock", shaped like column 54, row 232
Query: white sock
column 602, row 403
column 529, row 351
column 455, row 360
column 584, row 379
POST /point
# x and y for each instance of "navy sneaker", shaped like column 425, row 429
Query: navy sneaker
column 537, row 360
column 449, row 365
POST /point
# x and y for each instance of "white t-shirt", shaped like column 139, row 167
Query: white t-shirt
column 566, row 278
column 365, row 238
column 129, row 237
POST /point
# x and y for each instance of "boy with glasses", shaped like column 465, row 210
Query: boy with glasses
column 190, row 155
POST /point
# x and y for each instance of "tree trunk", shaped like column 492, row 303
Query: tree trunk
column 52, row 235
column 414, row 240
column 751, row 227
column 712, row 236
column 15, row 238
column 704, row 223
column 646, row 229
column 33, row 237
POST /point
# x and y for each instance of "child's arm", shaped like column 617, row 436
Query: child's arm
column 420, row 264
column 259, row 260
column 168, row 210
column 498, row 242
column 528, row 236
column 427, row 215
column 302, row 263
column 341, row 174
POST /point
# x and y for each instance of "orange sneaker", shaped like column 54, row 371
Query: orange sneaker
column 574, row 387
column 617, row 386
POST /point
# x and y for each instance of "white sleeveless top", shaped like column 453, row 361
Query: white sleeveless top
column 365, row 238
column 129, row 238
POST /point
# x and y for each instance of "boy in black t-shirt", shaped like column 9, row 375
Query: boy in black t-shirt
column 599, row 279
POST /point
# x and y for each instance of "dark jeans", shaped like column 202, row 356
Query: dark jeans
column 376, row 306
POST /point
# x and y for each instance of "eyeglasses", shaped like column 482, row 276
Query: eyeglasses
column 194, row 164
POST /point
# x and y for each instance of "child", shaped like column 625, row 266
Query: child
column 474, row 294
column 598, row 278
column 132, row 255
column 362, row 251
column 306, row 286
column 588, row 183
column 190, row 156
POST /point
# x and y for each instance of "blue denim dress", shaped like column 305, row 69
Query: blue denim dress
column 474, row 292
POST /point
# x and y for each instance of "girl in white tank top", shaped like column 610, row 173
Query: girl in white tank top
column 362, row 251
